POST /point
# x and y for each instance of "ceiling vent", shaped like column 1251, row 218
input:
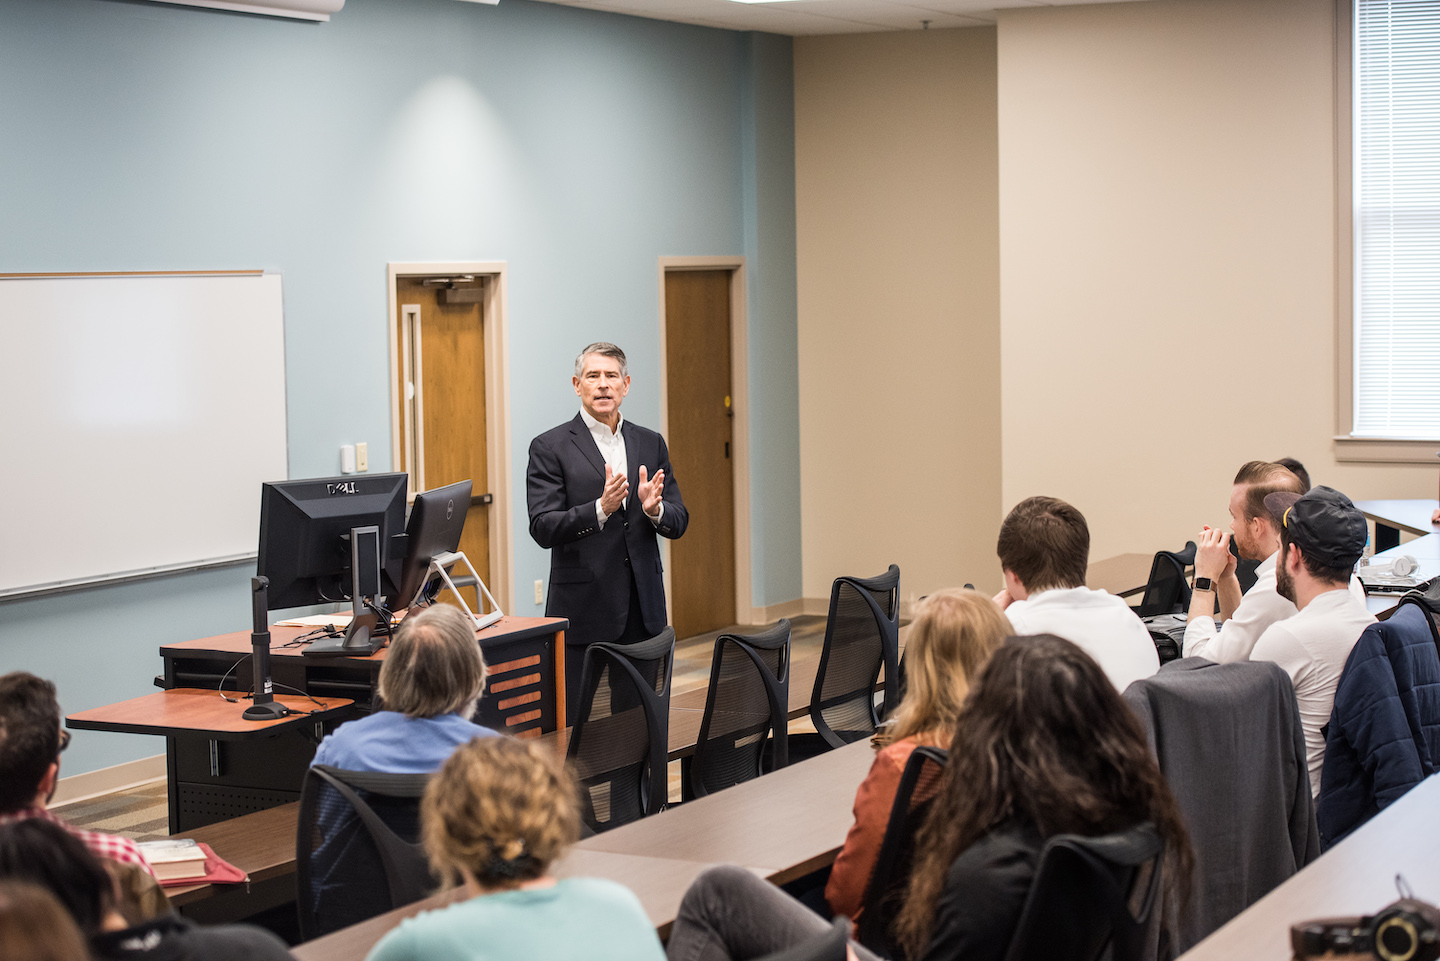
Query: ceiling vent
column 294, row 9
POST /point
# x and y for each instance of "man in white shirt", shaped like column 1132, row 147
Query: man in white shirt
column 1044, row 550
column 1256, row 534
column 1322, row 535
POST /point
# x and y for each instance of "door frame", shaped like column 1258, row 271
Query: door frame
column 497, row 401
column 745, row 612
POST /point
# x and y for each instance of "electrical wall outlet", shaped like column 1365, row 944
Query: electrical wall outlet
column 539, row 592
column 362, row 457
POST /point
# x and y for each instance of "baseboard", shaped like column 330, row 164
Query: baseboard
column 107, row 780
column 773, row 613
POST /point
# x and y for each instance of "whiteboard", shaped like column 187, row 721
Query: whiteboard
column 140, row 416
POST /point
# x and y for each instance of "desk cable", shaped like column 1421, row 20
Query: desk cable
column 236, row 700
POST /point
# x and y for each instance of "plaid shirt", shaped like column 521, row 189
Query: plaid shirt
column 110, row 846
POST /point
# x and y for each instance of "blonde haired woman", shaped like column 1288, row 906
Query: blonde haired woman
column 495, row 818
column 953, row 635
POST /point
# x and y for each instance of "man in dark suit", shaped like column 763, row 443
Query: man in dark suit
column 599, row 490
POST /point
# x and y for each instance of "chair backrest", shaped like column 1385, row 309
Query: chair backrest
column 357, row 850
column 1167, row 591
column 829, row 946
column 620, row 743
column 884, row 895
column 748, row 699
column 1090, row 894
column 862, row 636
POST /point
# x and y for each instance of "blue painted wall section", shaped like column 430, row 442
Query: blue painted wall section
column 576, row 146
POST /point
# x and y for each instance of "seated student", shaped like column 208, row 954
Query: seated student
column 1298, row 469
column 1322, row 535
column 431, row 679
column 36, row 927
column 31, row 741
column 498, row 814
column 47, row 855
column 1256, row 534
column 952, row 636
column 1044, row 550
column 1044, row 745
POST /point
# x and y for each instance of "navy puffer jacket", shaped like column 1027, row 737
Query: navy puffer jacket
column 1384, row 732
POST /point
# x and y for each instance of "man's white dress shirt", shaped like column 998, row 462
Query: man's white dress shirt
column 1312, row 647
column 612, row 450
column 1099, row 623
column 1261, row 606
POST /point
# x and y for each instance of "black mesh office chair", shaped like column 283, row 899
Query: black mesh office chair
column 1168, row 590
column 885, row 893
column 862, row 636
column 748, row 701
column 357, row 847
column 1090, row 894
column 829, row 946
column 620, row 743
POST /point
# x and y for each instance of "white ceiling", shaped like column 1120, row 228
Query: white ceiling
column 804, row 17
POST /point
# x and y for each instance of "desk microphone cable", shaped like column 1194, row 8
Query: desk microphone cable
column 251, row 694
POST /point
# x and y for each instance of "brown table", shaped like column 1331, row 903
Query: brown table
column 1357, row 876
column 780, row 826
column 186, row 711
column 1121, row 575
column 1393, row 516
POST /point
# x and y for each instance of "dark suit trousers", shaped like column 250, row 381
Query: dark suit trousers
column 575, row 653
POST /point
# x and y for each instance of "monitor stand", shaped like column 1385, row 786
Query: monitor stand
column 362, row 637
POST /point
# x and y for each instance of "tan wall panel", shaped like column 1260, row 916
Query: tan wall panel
column 897, row 245
column 1168, row 259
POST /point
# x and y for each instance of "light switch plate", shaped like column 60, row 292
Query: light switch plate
column 362, row 457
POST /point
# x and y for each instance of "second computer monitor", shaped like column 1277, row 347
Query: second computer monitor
column 436, row 522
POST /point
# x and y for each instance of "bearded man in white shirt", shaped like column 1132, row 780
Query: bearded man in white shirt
column 1256, row 535
column 1044, row 550
column 1322, row 535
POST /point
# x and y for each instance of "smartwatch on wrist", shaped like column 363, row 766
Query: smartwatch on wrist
column 1204, row 584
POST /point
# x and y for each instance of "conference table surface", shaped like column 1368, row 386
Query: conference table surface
column 1356, row 876
column 1412, row 516
column 780, row 827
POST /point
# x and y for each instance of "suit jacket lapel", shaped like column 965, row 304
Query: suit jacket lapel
column 632, row 464
column 580, row 434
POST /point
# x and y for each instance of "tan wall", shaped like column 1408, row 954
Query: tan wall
column 1168, row 259
column 897, row 246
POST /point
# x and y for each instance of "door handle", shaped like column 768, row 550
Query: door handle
column 482, row 500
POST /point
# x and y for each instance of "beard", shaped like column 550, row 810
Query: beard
column 1284, row 583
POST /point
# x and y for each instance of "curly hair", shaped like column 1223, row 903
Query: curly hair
column 500, row 811
column 1042, row 738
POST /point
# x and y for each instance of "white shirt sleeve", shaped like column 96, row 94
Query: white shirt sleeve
column 1235, row 641
column 600, row 516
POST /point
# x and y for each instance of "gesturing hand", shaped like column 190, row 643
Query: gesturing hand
column 650, row 491
column 617, row 488
column 1212, row 557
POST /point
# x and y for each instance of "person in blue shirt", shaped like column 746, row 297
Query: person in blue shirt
column 495, row 818
column 430, row 681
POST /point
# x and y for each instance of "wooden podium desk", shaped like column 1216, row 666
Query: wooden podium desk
column 524, row 696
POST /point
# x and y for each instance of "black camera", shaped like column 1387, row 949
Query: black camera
column 1408, row 930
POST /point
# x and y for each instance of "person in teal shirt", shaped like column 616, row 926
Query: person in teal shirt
column 497, row 816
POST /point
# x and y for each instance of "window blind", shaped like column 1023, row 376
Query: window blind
column 1397, row 219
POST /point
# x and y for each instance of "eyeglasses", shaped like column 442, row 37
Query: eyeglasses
column 64, row 741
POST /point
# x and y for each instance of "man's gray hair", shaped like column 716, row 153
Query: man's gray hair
column 434, row 665
column 604, row 349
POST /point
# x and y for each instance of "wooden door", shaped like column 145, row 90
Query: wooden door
column 697, row 346
column 443, row 355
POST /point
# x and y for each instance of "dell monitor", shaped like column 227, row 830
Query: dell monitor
column 436, row 522
column 331, row 539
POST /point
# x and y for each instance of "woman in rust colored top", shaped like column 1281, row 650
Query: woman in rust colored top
column 953, row 634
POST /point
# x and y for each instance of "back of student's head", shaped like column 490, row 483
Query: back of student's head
column 29, row 737
column 1261, row 478
column 951, row 637
column 434, row 665
column 1044, row 739
column 501, row 810
column 34, row 926
column 1298, row 469
column 45, row 854
column 1045, row 543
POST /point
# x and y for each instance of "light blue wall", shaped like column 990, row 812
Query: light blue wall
column 576, row 146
